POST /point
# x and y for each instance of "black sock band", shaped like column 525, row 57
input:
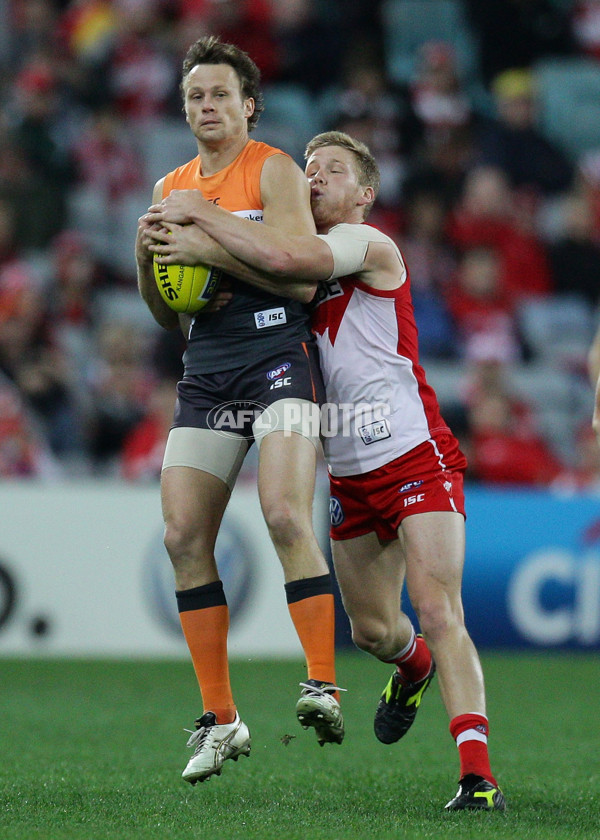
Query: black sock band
column 297, row 590
column 201, row 597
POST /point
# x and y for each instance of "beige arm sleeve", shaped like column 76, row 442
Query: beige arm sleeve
column 348, row 250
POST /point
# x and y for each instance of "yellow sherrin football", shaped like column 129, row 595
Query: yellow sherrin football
column 186, row 288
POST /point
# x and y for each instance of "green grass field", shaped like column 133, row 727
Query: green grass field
column 94, row 750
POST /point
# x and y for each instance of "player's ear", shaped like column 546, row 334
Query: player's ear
column 248, row 107
column 367, row 196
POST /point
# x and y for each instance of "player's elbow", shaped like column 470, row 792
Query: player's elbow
column 306, row 292
column 167, row 319
column 281, row 263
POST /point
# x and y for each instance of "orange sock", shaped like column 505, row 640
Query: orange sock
column 311, row 606
column 204, row 617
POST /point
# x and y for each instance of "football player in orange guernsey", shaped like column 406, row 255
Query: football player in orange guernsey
column 397, row 501
column 258, row 353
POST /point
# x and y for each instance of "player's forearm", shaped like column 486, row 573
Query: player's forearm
column 147, row 287
column 295, row 259
column 190, row 245
column 165, row 317
column 297, row 290
column 294, row 289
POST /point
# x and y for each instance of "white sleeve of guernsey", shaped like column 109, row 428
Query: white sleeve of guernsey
column 348, row 250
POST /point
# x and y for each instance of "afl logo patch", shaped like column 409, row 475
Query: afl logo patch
column 410, row 486
column 336, row 513
column 278, row 371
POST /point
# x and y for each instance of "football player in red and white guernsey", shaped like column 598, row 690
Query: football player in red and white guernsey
column 396, row 471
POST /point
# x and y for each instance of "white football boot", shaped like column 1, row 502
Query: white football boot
column 214, row 743
column 318, row 707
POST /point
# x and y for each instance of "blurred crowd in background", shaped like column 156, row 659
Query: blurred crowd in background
column 485, row 120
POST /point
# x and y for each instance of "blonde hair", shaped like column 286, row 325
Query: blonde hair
column 366, row 166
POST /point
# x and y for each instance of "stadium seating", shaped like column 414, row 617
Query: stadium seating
column 561, row 402
column 557, row 330
column 569, row 99
column 165, row 144
column 408, row 24
column 122, row 306
column 290, row 119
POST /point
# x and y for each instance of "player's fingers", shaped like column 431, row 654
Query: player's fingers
column 159, row 235
column 164, row 259
column 160, row 248
column 152, row 218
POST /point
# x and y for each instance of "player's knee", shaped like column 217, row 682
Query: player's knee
column 181, row 540
column 174, row 541
column 370, row 636
column 437, row 619
column 284, row 522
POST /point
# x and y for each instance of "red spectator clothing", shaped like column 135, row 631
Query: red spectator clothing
column 525, row 269
column 142, row 78
column 476, row 314
column 143, row 450
column 248, row 24
column 107, row 164
column 505, row 458
column 23, row 451
column 482, row 317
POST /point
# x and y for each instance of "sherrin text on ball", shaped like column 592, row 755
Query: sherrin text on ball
column 186, row 288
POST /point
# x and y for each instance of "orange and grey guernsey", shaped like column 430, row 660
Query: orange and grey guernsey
column 254, row 321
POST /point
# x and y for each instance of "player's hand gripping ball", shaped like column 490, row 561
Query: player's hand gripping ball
column 186, row 288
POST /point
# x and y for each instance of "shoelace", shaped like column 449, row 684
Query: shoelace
column 197, row 737
column 320, row 692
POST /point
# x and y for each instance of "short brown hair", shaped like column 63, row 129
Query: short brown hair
column 366, row 165
column 211, row 50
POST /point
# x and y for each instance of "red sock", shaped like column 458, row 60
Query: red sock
column 471, row 734
column 414, row 662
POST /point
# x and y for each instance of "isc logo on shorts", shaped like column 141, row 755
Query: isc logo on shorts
column 336, row 513
column 413, row 500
